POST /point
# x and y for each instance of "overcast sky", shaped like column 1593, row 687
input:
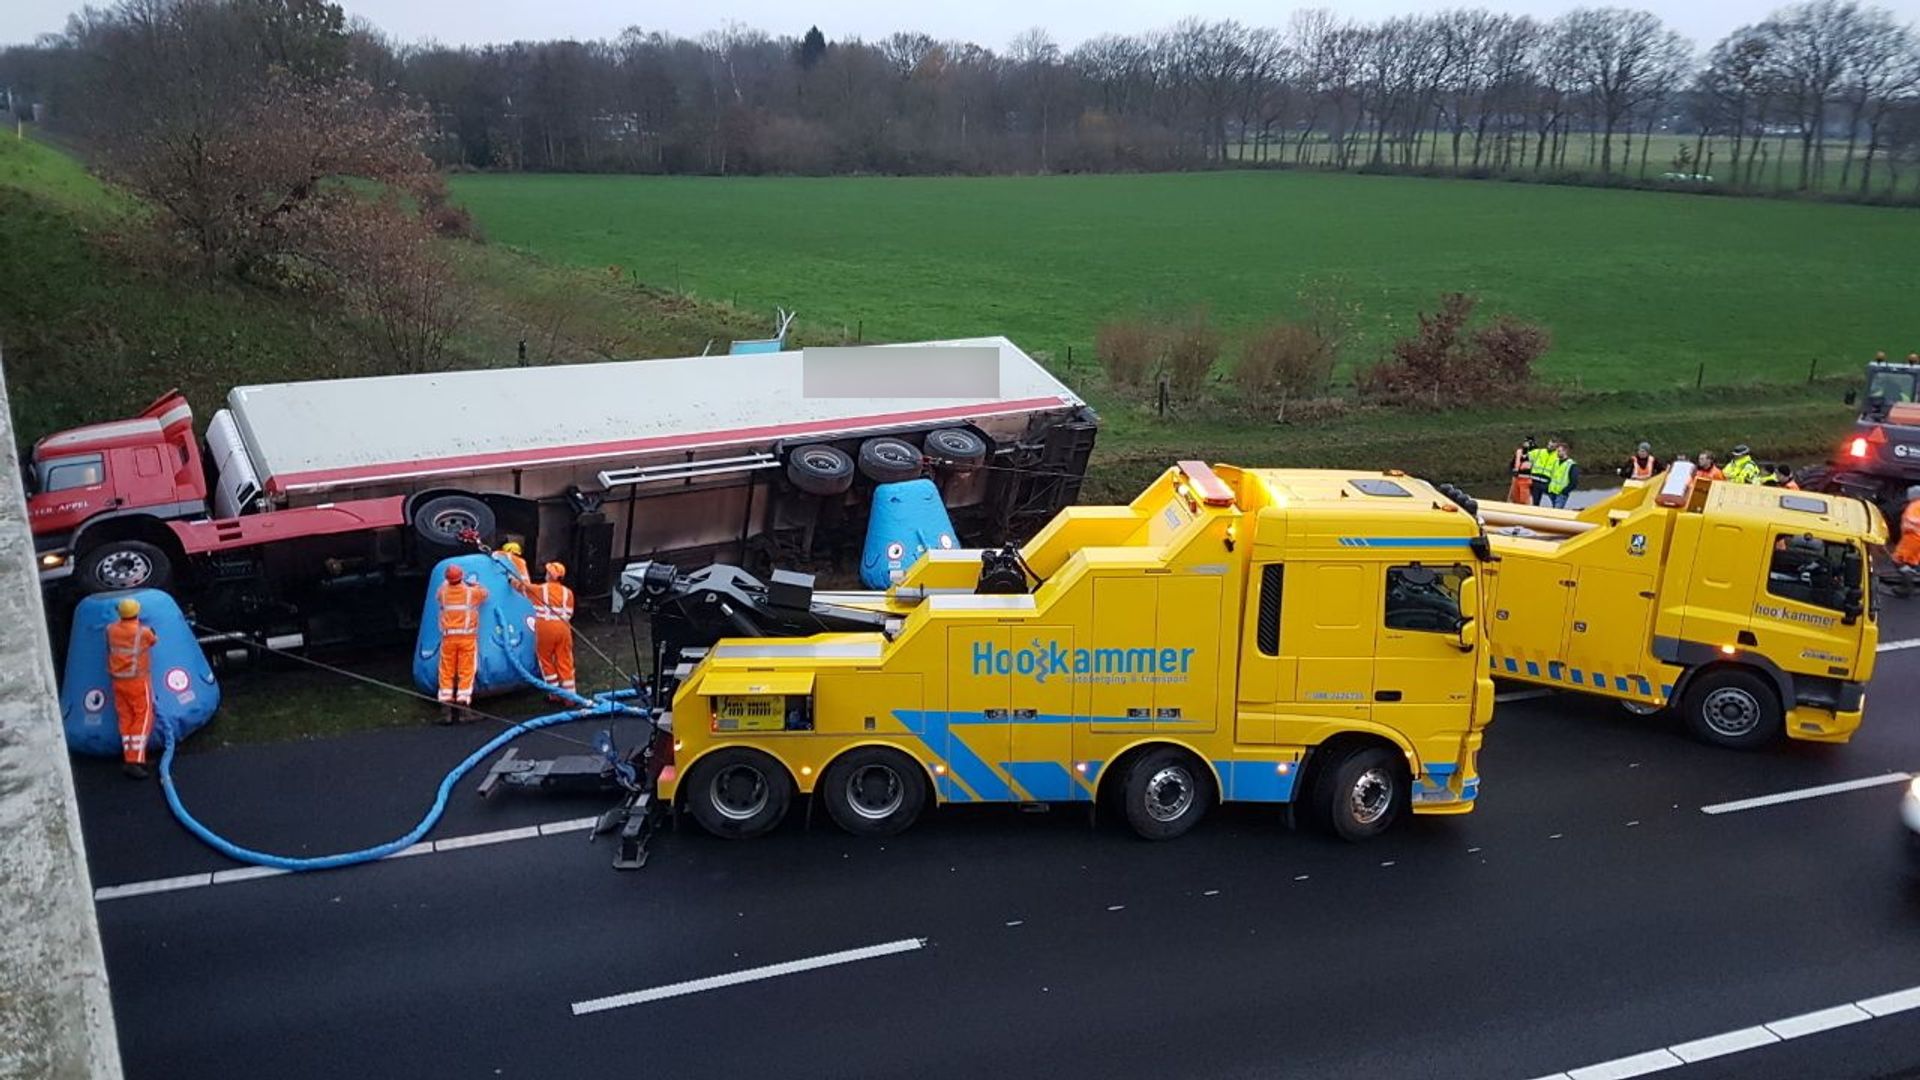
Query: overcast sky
column 987, row 22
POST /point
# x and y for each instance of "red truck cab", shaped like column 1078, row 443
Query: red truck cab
column 135, row 471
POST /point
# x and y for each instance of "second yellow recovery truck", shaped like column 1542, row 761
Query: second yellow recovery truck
column 1277, row 636
column 1749, row 606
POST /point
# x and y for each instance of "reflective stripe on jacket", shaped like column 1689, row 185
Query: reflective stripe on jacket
column 127, row 645
column 1542, row 462
column 1565, row 475
column 460, row 609
column 552, row 602
column 1742, row 470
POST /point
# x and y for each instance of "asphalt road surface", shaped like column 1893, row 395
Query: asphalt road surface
column 1589, row 919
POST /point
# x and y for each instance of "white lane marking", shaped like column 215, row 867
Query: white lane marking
column 1721, row 1045
column 1815, row 1022
column 1896, row 646
column 1620, row 1068
column 1747, row 1038
column 1806, row 793
column 251, row 873
column 576, row 825
column 1520, row 695
column 498, row 836
column 770, row 971
column 157, row 885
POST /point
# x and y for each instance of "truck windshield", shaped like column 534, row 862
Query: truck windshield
column 60, row 474
column 1424, row 597
column 1821, row 573
column 1892, row 387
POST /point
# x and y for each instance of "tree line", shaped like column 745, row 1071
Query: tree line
column 1823, row 95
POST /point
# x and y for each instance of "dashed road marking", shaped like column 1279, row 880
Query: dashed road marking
column 424, row 847
column 1741, row 1040
column 1806, row 793
column 770, row 971
column 1896, row 646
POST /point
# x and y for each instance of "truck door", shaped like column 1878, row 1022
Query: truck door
column 1610, row 636
column 1266, row 677
column 1811, row 585
column 1721, row 583
column 1424, row 681
column 1186, row 667
column 1125, row 630
column 1043, row 718
column 1327, row 620
column 980, row 669
column 1531, row 602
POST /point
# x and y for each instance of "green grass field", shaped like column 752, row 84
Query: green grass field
column 1638, row 288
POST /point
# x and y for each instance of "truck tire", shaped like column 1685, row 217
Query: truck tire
column 1165, row 793
column 439, row 521
column 117, row 565
column 873, row 791
column 1358, row 794
column 1734, row 708
column 738, row 793
column 889, row 461
column 958, row 447
column 820, row 470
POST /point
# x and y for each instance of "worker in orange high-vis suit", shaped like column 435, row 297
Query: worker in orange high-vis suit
column 1907, row 552
column 129, row 664
column 460, row 602
column 553, row 626
column 509, row 553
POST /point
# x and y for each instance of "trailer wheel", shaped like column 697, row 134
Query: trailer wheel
column 1166, row 792
column 1358, row 794
column 960, row 448
column 873, row 791
column 118, row 565
column 1733, row 708
column 820, row 470
column 440, row 521
column 889, row 461
column 738, row 793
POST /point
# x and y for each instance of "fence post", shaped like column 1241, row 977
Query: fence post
column 1813, row 368
column 1700, row 377
column 860, row 332
column 1163, row 395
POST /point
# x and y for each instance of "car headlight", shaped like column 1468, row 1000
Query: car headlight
column 1913, row 789
column 53, row 560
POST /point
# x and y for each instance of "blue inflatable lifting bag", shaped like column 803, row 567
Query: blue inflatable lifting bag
column 907, row 519
column 506, row 628
column 184, row 692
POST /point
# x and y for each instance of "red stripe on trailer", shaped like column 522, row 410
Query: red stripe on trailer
column 200, row 537
column 506, row 459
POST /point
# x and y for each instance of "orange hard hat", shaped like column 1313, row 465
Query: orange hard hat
column 454, row 573
column 556, row 571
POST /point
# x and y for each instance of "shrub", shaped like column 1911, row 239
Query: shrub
column 1128, row 350
column 1282, row 362
column 1444, row 363
column 1192, row 348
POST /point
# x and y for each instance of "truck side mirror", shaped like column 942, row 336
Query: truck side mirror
column 1469, row 628
column 1852, row 396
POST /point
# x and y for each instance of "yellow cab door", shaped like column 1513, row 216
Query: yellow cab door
column 1722, row 582
column 1327, row 620
column 976, row 739
column 1266, row 677
column 1125, row 631
column 1424, row 682
column 1801, row 618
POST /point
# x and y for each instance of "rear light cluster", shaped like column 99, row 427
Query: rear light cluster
column 1858, row 447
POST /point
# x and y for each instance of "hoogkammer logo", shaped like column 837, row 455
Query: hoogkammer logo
column 1042, row 660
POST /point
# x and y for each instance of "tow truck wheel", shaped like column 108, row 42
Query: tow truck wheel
column 1166, row 793
column 1359, row 794
column 118, row 565
column 873, row 791
column 1733, row 708
column 738, row 793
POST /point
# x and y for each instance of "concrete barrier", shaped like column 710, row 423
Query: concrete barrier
column 55, row 1018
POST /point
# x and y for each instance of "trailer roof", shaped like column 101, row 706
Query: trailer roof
column 339, row 431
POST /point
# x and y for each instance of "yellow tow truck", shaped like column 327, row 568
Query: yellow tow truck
column 1278, row 636
column 1750, row 606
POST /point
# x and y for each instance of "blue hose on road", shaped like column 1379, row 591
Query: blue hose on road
column 608, row 704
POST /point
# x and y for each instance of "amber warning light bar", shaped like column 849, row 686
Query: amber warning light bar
column 964, row 372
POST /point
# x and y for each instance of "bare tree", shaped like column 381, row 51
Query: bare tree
column 1622, row 56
